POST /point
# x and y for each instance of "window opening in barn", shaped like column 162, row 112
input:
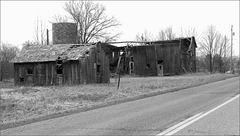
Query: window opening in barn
column 131, row 65
column 131, row 58
column 59, row 71
column 87, row 52
column 59, row 67
column 30, row 71
column 98, row 68
column 148, row 66
column 21, row 79
column 160, row 62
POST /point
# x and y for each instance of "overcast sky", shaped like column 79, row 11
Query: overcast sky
column 17, row 17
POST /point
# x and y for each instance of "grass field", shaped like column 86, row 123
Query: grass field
column 19, row 103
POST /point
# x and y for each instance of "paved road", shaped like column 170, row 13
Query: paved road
column 148, row 116
column 224, row 121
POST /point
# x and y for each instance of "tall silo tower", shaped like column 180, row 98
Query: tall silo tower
column 64, row 33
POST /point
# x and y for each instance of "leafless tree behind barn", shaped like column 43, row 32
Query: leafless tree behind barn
column 92, row 21
column 215, row 47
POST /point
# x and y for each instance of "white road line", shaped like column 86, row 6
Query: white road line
column 191, row 120
column 179, row 124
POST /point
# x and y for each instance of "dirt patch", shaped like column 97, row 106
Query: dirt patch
column 27, row 102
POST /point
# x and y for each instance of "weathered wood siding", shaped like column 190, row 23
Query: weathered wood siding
column 140, row 60
column 188, row 59
column 43, row 73
column 103, row 76
column 194, row 58
column 84, row 70
column 147, row 57
column 93, row 68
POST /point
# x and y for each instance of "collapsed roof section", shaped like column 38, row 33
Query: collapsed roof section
column 139, row 43
column 76, row 51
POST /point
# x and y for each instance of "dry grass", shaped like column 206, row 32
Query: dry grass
column 7, row 84
column 24, row 102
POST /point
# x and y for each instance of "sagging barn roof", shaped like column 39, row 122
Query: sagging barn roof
column 190, row 39
column 52, row 52
column 141, row 43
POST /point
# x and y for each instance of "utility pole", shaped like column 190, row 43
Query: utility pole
column 47, row 38
column 225, row 52
column 0, row 63
column 232, row 33
column 225, row 42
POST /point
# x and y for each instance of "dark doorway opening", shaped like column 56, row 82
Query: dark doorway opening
column 160, row 67
column 148, row 66
column 59, row 67
column 30, row 71
column 98, row 68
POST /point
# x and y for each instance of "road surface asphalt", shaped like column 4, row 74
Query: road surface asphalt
column 148, row 116
column 224, row 121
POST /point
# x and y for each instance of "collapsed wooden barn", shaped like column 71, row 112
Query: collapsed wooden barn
column 157, row 58
column 61, row 64
column 66, row 62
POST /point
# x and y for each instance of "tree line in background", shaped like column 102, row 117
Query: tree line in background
column 215, row 49
column 7, row 53
column 213, row 52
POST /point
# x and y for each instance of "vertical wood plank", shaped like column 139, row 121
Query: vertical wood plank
column 46, row 74
column 77, row 72
column 53, row 75
column 83, row 71
column 72, row 71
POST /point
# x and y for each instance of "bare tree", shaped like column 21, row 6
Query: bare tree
column 39, row 32
column 144, row 37
column 166, row 34
column 36, row 30
column 42, row 33
column 169, row 33
column 161, row 35
column 7, row 53
column 214, row 44
column 222, row 51
column 29, row 43
column 92, row 21
column 57, row 18
column 190, row 32
column 207, row 43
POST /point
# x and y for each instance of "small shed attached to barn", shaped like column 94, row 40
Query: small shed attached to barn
column 61, row 64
